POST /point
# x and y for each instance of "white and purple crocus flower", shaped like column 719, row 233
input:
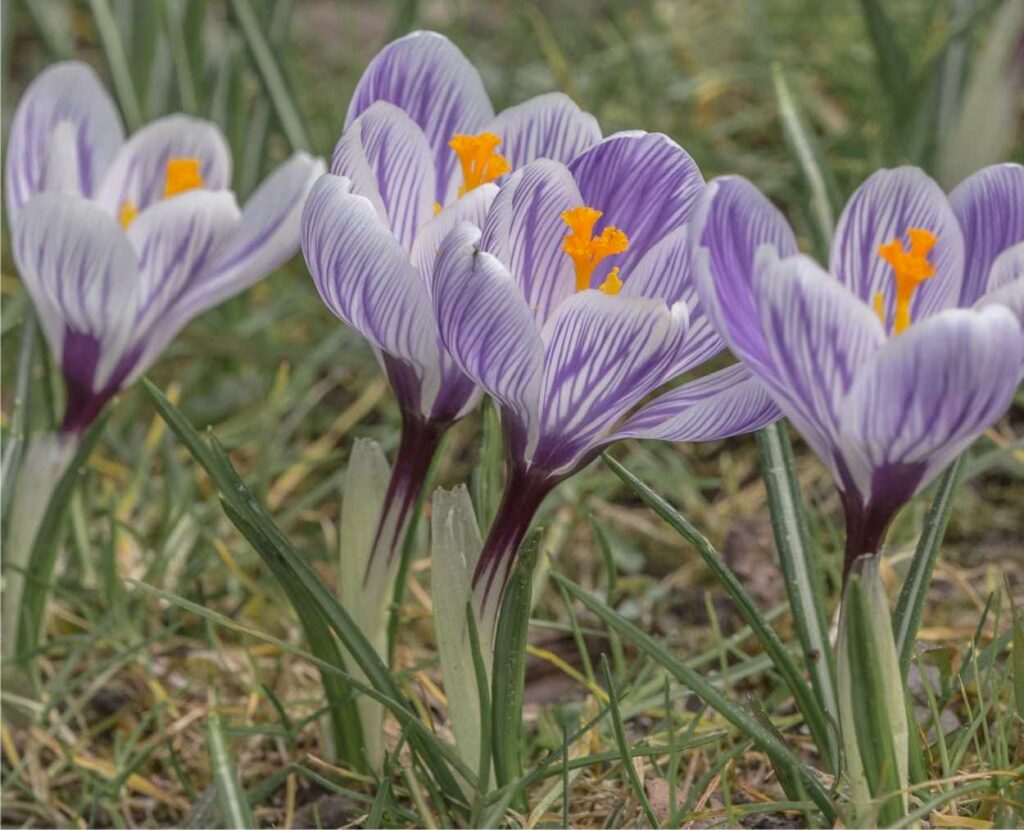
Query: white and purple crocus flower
column 120, row 243
column 895, row 359
column 421, row 152
column 570, row 306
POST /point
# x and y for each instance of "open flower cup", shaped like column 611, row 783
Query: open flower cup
column 895, row 359
column 572, row 304
column 422, row 151
column 120, row 243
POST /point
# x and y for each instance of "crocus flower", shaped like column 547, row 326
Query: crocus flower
column 421, row 152
column 895, row 359
column 121, row 243
column 572, row 305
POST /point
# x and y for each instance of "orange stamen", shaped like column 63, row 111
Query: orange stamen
column 129, row 210
column 182, row 174
column 480, row 163
column 587, row 251
column 909, row 268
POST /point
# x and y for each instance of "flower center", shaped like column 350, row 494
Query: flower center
column 910, row 268
column 480, row 163
column 182, row 174
column 587, row 250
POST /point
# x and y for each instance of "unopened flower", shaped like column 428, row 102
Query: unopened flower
column 121, row 243
column 895, row 359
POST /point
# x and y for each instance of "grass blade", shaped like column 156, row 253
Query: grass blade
column 272, row 74
column 784, row 663
column 800, row 566
column 779, row 754
column 234, row 805
column 620, row 741
column 483, row 775
column 909, row 606
column 893, row 63
column 117, row 62
column 14, row 443
column 185, row 66
column 509, row 670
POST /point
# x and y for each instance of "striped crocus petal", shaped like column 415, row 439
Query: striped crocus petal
column 525, row 230
column 818, row 335
column 643, row 183
column 365, row 277
column 138, row 175
column 732, row 222
column 386, row 157
column 720, row 405
column 485, row 324
column 264, row 238
column 427, row 76
column 602, row 355
column 881, row 211
column 990, row 207
column 175, row 241
column 1006, row 282
column 66, row 93
column 926, row 395
column 471, row 208
column 81, row 273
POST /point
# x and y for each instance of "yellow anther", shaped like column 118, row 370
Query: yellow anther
column 878, row 304
column 480, row 163
column 612, row 285
column 909, row 269
column 437, row 208
column 182, row 174
column 129, row 210
column 587, row 250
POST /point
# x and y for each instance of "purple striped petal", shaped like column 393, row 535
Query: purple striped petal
column 525, row 230
column 602, row 355
column 733, row 220
column 819, row 335
column 487, row 327
column 666, row 272
column 471, row 208
column 548, row 126
column 264, row 239
column 1006, row 282
column 644, row 183
column 720, row 405
column 67, row 92
column 80, row 271
column 366, row 279
column 990, row 207
column 1009, row 295
column 883, row 209
column 427, row 76
column 386, row 156
column 925, row 396
column 175, row 240
column 138, row 174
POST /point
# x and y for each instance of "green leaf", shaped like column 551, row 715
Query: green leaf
column 234, row 805
column 910, row 605
column 117, row 62
column 893, row 63
column 778, row 753
column 783, row 661
column 184, row 60
column 272, row 75
column 483, row 775
column 15, row 437
column 510, row 664
column 1017, row 656
column 800, row 566
column 295, row 573
column 620, row 741
column 487, row 475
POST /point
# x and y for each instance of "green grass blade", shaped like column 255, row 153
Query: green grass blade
column 509, row 670
column 234, row 805
column 893, row 63
column 483, row 775
column 779, row 754
column 185, row 66
column 620, row 741
column 292, row 569
column 784, row 663
column 117, row 62
column 487, row 476
column 804, row 150
column 910, row 605
column 14, row 439
column 1017, row 656
column 800, row 566
column 272, row 75
column 52, row 19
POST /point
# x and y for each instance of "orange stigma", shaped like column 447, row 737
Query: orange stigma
column 182, row 174
column 587, row 250
column 480, row 163
column 909, row 269
column 129, row 210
